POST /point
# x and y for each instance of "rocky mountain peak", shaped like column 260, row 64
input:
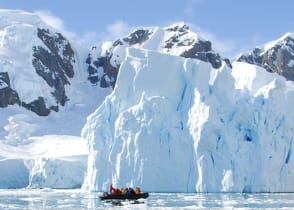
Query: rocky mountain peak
column 176, row 39
column 180, row 27
column 276, row 56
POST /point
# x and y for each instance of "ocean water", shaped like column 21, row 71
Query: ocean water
column 79, row 199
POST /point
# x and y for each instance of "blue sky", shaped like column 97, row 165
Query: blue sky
column 232, row 25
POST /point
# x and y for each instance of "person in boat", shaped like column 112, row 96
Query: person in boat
column 111, row 189
column 114, row 191
column 123, row 191
column 137, row 191
column 130, row 191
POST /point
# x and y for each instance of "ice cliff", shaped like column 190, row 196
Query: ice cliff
column 174, row 124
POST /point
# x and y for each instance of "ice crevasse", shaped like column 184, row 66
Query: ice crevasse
column 178, row 125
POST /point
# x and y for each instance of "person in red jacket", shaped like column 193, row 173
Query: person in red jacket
column 114, row 191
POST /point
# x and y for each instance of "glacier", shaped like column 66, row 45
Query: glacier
column 176, row 124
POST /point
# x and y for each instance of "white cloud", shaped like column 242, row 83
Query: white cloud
column 88, row 39
column 50, row 19
column 111, row 32
column 229, row 47
column 55, row 22
column 118, row 29
column 225, row 47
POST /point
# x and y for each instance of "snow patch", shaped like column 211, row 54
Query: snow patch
column 291, row 63
column 44, row 162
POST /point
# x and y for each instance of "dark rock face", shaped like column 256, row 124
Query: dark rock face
column 137, row 37
column 107, row 75
column 104, row 73
column 7, row 95
column 279, row 58
column 55, row 66
column 202, row 50
column 38, row 106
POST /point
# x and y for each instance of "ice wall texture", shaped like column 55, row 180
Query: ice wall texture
column 178, row 125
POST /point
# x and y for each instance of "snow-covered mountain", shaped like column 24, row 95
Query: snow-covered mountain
column 275, row 56
column 36, row 63
column 45, row 73
column 171, row 114
column 177, row 39
column 45, row 98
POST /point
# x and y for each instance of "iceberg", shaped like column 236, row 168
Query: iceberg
column 176, row 124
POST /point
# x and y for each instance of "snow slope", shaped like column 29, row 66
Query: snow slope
column 42, row 152
column 19, row 34
column 179, row 125
column 18, row 39
column 44, row 162
column 26, row 139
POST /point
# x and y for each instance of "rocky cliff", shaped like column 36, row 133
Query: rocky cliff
column 276, row 56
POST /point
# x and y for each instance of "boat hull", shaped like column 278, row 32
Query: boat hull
column 107, row 196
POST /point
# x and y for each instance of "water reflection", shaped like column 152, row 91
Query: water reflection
column 78, row 199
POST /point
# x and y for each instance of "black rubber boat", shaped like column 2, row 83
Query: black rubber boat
column 107, row 196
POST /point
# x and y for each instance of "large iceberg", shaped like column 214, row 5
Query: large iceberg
column 178, row 125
